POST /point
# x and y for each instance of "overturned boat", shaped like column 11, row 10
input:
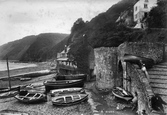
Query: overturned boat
column 67, row 100
column 122, row 94
column 30, row 97
column 66, row 91
column 49, row 85
column 139, row 60
column 71, row 77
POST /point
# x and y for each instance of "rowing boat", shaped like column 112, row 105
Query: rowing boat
column 67, row 100
column 30, row 97
column 65, row 91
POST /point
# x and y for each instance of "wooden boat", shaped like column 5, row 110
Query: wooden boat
column 136, row 60
column 63, row 84
column 13, row 88
column 122, row 94
column 30, row 97
column 67, row 100
column 8, row 94
column 65, row 91
column 25, row 79
column 71, row 77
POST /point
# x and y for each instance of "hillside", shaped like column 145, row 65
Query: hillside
column 31, row 48
column 103, row 31
column 14, row 50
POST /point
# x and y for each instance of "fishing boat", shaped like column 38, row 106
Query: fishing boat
column 67, row 100
column 71, row 77
column 63, row 84
column 122, row 94
column 30, row 97
column 65, row 91
column 137, row 60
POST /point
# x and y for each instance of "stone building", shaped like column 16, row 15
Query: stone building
column 141, row 10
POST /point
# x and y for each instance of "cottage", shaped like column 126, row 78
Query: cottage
column 141, row 10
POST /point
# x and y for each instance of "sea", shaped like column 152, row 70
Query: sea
column 14, row 65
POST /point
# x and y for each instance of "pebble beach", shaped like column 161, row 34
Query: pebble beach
column 97, row 104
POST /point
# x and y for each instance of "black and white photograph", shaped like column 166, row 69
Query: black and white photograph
column 83, row 57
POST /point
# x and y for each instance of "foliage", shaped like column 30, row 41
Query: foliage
column 158, row 15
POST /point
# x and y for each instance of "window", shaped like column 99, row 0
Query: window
column 136, row 8
column 135, row 16
column 145, row 5
column 146, row 0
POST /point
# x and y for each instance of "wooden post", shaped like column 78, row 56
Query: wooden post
column 124, row 75
column 8, row 73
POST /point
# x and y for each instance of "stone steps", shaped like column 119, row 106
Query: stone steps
column 158, row 69
column 160, row 91
column 158, row 81
column 160, row 66
column 164, row 73
column 163, row 77
column 158, row 85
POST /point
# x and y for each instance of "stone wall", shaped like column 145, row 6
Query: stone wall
column 140, row 85
column 105, row 67
column 143, row 49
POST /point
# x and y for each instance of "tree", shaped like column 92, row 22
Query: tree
column 158, row 15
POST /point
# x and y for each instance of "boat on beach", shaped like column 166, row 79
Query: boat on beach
column 30, row 97
column 137, row 60
column 13, row 88
column 67, row 100
column 49, row 85
column 122, row 94
column 66, row 91
column 71, row 77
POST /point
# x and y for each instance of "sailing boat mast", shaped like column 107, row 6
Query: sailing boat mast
column 8, row 73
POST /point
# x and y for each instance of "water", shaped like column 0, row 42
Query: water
column 14, row 65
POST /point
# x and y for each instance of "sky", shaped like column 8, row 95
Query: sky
column 20, row 18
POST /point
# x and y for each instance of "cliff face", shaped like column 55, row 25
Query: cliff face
column 32, row 48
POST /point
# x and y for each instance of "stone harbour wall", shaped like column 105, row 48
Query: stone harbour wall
column 143, row 49
column 140, row 85
column 105, row 67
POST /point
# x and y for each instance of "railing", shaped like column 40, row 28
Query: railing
column 67, row 67
column 62, row 55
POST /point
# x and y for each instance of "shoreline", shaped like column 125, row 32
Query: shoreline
column 28, row 69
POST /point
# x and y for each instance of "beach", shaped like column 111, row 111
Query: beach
column 25, row 69
column 97, row 104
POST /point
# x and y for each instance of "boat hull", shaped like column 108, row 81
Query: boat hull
column 66, row 91
column 71, row 77
column 30, row 99
column 85, row 98
column 136, row 60
column 118, row 92
column 58, row 84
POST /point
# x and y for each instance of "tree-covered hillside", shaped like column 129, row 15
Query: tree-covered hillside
column 32, row 48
